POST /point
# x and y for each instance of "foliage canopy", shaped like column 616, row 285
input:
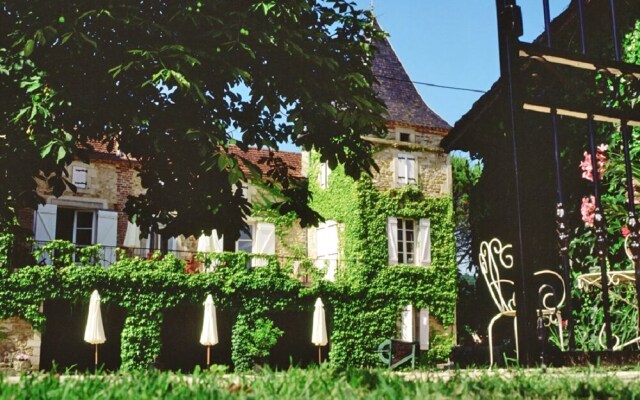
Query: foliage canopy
column 175, row 84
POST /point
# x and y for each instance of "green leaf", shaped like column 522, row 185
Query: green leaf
column 61, row 19
column 28, row 47
column 46, row 149
column 62, row 152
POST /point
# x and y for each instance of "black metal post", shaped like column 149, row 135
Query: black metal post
column 562, row 226
column 602, row 249
column 509, row 30
column 631, row 209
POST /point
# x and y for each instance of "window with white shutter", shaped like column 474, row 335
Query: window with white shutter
column 409, row 242
column 406, row 169
column 80, row 176
column 264, row 242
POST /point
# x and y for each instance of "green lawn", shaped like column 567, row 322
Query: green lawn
column 326, row 384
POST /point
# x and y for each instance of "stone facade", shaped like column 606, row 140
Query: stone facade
column 19, row 346
column 433, row 166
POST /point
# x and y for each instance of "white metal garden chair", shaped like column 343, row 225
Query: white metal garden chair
column 495, row 256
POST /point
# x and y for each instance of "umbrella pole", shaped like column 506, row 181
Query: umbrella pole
column 319, row 355
column 95, row 368
column 208, row 356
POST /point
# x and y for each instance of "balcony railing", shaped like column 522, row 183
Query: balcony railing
column 305, row 270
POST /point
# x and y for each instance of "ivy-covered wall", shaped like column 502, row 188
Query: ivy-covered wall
column 364, row 303
column 372, row 294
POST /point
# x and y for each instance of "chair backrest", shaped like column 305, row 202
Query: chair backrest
column 493, row 257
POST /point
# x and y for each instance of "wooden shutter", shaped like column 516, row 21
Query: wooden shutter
column 327, row 248
column 392, row 240
column 401, row 169
column 264, row 242
column 80, row 177
column 411, row 169
column 107, row 234
column 407, row 327
column 45, row 227
column 45, row 223
column 424, row 242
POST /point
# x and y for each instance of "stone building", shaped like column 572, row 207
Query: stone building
column 409, row 157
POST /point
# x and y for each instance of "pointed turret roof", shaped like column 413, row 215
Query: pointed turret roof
column 399, row 93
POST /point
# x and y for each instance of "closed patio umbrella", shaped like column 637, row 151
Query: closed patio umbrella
column 94, row 332
column 132, row 236
column 319, row 332
column 204, row 244
column 209, row 335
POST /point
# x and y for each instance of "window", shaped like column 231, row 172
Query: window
column 409, row 241
column 83, row 227
column 406, row 241
column 76, row 226
column 323, row 175
column 80, row 177
column 405, row 137
column 406, row 169
column 245, row 243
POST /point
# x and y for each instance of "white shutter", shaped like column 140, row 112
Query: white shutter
column 107, row 234
column 80, row 176
column 45, row 224
column 423, row 329
column 264, row 243
column 401, row 169
column 45, row 227
column 392, row 239
column 411, row 169
column 217, row 243
column 327, row 248
column 424, row 242
column 407, row 324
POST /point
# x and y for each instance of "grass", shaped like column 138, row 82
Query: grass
column 323, row 383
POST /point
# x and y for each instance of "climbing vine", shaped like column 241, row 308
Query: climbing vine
column 364, row 302
column 371, row 292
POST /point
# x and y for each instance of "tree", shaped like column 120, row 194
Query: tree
column 175, row 84
column 466, row 174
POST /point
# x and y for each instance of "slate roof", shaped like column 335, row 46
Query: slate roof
column 400, row 94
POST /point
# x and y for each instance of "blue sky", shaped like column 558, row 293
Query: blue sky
column 451, row 43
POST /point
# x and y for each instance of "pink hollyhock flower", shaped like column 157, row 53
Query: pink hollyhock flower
column 588, row 209
column 625, row 231
column 601, row 160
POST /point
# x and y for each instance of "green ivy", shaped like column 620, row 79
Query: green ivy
column 363, row 304
column 371, row 293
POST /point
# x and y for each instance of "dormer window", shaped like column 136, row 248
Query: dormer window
column 405, row 137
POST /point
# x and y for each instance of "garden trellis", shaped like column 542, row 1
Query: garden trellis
column 522, row 99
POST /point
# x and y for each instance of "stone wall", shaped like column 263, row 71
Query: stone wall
column 19, row 346
column 433, row 168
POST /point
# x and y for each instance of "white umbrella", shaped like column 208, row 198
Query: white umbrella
column 132, row 236
column 209, row 335
column 94, row 332
column 319, row 332
column 204, row 244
